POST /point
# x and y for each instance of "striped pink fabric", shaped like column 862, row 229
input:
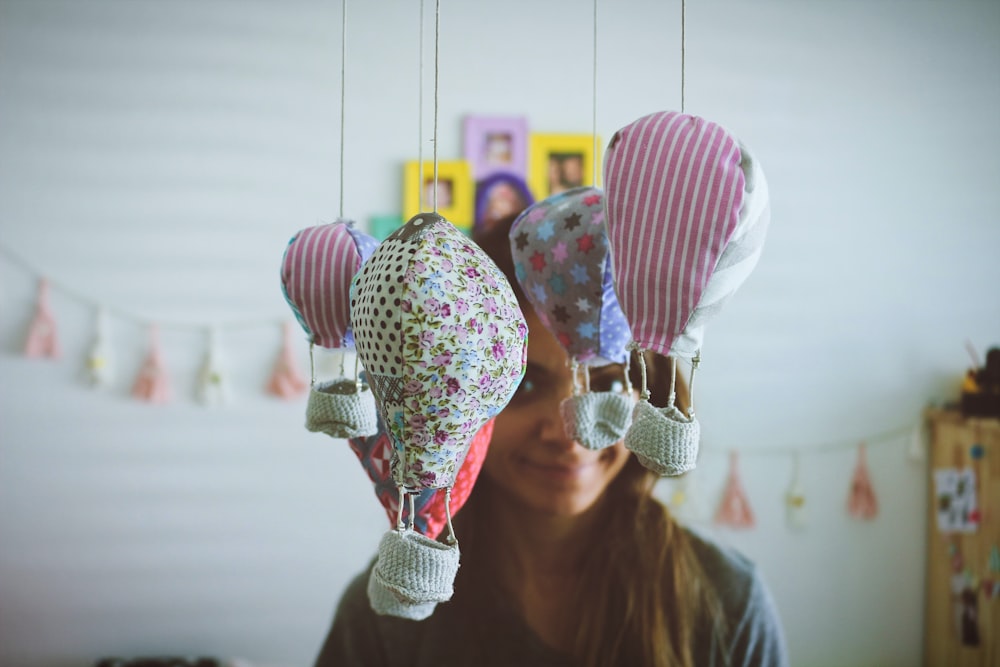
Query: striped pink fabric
column 316, row 274
column 673, row 191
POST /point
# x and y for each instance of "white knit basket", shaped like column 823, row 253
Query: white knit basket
column 664, row 440
column 598, row 419
column 412, row 574
column 338, row 409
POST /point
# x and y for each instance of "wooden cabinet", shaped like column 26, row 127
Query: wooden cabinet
column 962, row 617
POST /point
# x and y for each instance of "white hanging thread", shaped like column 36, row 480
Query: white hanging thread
column 343, row 71
column 594, row 123
column 683, row 54
column 437, row 43
column 420, row 113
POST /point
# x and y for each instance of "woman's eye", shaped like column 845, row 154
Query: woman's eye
column 525, row 389
column 606, row 383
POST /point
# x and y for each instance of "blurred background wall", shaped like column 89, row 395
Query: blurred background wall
column 155, row 158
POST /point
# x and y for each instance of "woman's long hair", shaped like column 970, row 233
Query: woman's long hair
column 642, row 593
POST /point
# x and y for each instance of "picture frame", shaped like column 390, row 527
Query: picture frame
column 560, row 162
column 455, row 191
column 498, row 196
column 494, row 144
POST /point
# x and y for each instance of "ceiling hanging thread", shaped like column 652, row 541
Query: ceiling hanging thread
column 420, row 112
column 437, row 44
column 594, row 110
column 683, row 37
column 343, row 70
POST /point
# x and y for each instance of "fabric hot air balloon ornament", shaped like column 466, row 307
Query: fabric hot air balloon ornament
column 316, row 272
column 687, row 212
column 443, row 343
column 562, row 262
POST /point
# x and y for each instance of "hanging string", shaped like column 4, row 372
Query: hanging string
column 121, row 313
column 343, row 70
column 594, row 123
column 683, row 37
column 420, row 113
column 437, row 72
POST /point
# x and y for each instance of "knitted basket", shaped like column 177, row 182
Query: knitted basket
column 411, row 575
column 598, row 419
column 665, row 440
column 338, row 409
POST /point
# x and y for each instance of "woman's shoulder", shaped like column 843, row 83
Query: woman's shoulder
column 753, row 630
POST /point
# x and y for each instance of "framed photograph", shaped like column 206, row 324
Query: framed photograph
column 454, row 191
column 495, row 144
column 561, row 162
column 498, row 196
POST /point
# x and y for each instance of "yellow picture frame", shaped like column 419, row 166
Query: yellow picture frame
column 455, row 191
column 560, row 162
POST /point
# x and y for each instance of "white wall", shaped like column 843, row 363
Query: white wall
column 156, row 156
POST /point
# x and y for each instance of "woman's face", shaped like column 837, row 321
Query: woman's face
column 530, row 458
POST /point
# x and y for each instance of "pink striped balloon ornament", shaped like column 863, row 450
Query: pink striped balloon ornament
column 316, row 272
column 444, row 344
column 562, row 262
column 687, row 213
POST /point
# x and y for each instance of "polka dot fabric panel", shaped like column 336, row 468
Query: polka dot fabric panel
column 443, row 343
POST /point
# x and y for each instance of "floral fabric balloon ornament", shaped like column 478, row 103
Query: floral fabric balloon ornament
column 316, row 272
column 687, row 212
column 430, row 516
column 562, row 262
column 443, row 344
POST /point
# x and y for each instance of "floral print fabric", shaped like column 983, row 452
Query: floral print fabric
column 443, row 343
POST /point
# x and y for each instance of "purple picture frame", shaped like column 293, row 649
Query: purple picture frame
column 494, row 144
column 518, row 198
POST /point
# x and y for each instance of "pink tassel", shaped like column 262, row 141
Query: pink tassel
column 861, row 502
column 153, row 383
column 286, row 381
column 734, row 511
column 42, row 340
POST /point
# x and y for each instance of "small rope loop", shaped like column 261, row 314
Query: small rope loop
column 312, row 366
column 399, row 511
column 644, row 394
column 673, row 381
column 447, row 512
column 628, row 378
column 357, row 372
column 574, row 369
column 694, row 366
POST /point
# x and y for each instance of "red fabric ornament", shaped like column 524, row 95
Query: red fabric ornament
column 861, row 501
column 42, row 340
column 734, row 510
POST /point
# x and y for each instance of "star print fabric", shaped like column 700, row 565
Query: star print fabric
column 562, row 261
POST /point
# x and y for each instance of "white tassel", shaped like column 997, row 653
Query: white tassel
column 795, row 499
column 99, row 369
column 213, row 389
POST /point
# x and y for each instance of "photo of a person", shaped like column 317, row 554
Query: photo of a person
column 565, row 172
column 499, row 197
column 444, row 189
column 498, row 149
